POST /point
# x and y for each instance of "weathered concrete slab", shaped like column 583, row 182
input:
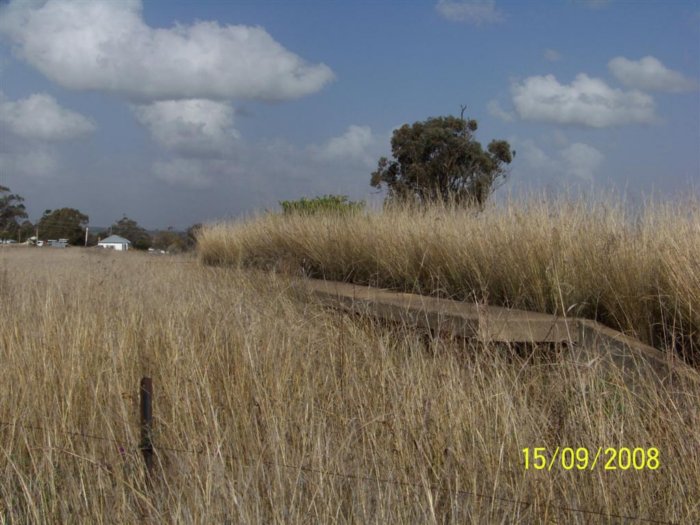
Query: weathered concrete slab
column 497, row 324
column 486, row 323
column 627, row 352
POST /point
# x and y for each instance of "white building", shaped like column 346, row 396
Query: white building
column 115, row 242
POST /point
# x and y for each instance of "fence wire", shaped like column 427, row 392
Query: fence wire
column 356, row 477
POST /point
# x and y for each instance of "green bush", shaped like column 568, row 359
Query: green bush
column 324, row 204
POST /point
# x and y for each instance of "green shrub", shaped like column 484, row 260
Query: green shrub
column 324, row 204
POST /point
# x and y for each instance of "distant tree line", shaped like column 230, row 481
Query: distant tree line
column 435, row 160
column 72, row 224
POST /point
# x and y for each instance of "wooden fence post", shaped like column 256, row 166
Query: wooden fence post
column 146, row 393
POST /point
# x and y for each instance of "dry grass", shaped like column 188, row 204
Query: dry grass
column 635, row 272
column 257, row 380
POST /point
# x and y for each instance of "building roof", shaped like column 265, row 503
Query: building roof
column 115, row 239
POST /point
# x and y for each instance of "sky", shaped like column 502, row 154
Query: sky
column 175, row 112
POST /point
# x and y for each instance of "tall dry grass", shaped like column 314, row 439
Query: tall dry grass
column 635, row 270
column 275, row 397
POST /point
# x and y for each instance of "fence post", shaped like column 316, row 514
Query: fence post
column 146, row 392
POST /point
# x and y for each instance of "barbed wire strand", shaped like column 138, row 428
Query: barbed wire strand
column 370, row 479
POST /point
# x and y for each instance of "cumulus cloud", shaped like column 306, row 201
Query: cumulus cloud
column 354, row 145
column 574, row 162
column 586, row 101
column 534, row 156
column 191, row 173
column 582, row 160
column 192, row 126
column 495, row 109
column 280, row 167
column 649, row 74
column 471, row 11
column 106, row 45
column 40, row 117
column 36, row 161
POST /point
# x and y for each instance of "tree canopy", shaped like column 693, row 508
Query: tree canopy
column 64, row 223
column 130, row 229
column 11, row 209
column 439, row 160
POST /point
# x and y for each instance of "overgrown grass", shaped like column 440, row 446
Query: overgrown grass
column 636, row 271
column 276, row 397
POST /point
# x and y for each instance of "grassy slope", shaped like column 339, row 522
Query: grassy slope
column 257, row 379
column 638, row 274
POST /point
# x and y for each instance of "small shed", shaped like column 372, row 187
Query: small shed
column 115, row 242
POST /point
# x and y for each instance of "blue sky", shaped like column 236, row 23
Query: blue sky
column 175, row 112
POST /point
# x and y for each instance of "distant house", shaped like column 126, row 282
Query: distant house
column 115, row 242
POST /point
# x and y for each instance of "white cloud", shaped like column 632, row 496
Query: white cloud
column 495, row 109
column 189, row 126
column 586, row 101
column 41, row 162
column 283, row 170
column 106, row 45
column 649, row 74
column 582, row 160
column 277, row 169
column 191, row 173
column 558, row 137
column 471, row 11
column 552, row 55
column 574, row 162
column 534, row 156
column 355, row 145
column 40, row 117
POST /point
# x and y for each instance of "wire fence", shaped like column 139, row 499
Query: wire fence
column 149, row 450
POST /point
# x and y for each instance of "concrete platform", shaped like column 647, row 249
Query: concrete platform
column 496, row 324
column 486, row 323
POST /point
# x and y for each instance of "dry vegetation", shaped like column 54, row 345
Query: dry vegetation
column 271, row 397
column 638, row 272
